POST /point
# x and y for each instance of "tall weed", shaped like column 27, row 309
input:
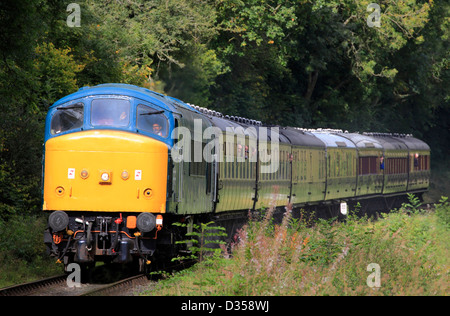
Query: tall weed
column 443, row 211
column 331, row 258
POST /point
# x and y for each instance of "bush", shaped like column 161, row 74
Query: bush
column 443, row 211
column 22, row 251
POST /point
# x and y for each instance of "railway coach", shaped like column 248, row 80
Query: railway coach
column 123, row 163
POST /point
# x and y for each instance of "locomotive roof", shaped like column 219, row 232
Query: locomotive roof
column 120, row 89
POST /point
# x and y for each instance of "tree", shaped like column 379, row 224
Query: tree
column 149, row 38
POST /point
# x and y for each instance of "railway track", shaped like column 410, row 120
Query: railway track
column 57, row 286
column 29, row 288
column 121, row 287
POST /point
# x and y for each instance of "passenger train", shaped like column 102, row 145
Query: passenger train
column 120, row 167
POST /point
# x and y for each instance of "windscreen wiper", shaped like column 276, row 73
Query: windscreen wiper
column 152, row 113
column 70, row 107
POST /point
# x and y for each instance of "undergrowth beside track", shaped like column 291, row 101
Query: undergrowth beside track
column 22, row 251
column 410, row 247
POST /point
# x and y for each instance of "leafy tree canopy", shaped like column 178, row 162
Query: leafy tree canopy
column 300, row 63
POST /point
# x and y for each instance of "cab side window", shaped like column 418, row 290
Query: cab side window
column 151, row 120
column 67, row 118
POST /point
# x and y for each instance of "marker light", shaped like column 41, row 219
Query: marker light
column 125, row 175
column 159, row 220
column 84, row 174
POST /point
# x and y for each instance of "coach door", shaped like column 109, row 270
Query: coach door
column 212, row 169
column 177, row 169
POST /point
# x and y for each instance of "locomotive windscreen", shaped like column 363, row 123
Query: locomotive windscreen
column 110, row 112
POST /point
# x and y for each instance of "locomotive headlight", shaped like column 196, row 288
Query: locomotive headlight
column 105, row 176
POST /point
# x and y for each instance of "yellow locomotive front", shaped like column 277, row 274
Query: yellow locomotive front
column 105, row 171
column 105, row 178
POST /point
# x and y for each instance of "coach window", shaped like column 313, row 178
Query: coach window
column 151, row 120
column 110, row 112
column 67, row 118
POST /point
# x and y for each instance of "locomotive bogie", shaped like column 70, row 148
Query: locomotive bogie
column 111, row 237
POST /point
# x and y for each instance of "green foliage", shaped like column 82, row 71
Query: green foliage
column 443, row 211
column 329, row 258
column 56, row 71
column 22, row 252
column 326, row 249
column 414, row 204
column 146, row 37
column 203, row 239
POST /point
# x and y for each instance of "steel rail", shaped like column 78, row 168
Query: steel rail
column 29, row 287
column 112, row 288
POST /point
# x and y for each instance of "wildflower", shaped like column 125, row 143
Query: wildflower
column 306, row 241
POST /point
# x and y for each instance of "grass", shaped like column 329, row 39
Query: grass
column 411, row 248
column 22, row 251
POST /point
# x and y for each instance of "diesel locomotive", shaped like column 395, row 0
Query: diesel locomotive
column 122, row 163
